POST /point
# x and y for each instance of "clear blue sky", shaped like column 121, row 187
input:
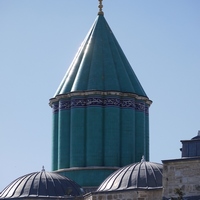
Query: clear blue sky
column 38, row 40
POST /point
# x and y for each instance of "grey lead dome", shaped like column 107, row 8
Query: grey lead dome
column 141, row 175
column 41, row 184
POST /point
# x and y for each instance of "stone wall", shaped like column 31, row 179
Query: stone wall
column 181, row 177
column 155, row 194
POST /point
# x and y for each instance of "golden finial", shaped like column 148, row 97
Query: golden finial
column 100, row 7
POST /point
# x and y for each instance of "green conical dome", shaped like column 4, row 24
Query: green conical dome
column 100, row 64
column 100, row 111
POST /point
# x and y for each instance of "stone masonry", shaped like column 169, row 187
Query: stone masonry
column 154, row 194
column 181, row 177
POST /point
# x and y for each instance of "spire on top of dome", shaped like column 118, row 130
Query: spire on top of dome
column 143, row 159
column 43, row 169
column 100, row 8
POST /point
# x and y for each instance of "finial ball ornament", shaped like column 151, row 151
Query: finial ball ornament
column 100, row 8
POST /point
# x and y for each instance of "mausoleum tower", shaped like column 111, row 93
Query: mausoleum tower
column 100, row 111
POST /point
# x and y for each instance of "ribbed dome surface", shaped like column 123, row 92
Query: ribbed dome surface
column 100, row 64
column 143, row 175
column 40, row 185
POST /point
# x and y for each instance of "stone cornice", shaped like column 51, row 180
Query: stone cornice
column 102, row 93
column 183, row 159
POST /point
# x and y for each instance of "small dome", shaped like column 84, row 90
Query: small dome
column 142, row 175
column 197, row 137
column 41, row 184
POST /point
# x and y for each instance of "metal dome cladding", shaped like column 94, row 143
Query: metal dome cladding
column 40, row 185
column 141, row 175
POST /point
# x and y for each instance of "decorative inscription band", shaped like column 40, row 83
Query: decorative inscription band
column 97, row 101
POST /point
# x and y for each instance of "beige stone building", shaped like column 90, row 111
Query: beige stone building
column 155, row 194
column 181, row 177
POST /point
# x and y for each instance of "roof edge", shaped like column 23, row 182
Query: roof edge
column 181, row 159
